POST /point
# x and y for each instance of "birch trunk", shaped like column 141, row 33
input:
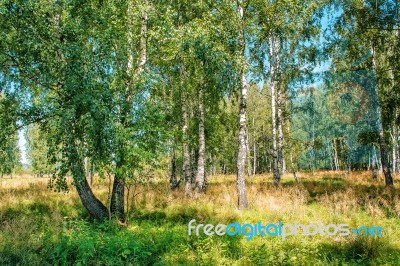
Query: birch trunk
column 293, row 169
column 185, row 147
column 335, row 155
column 387, row 171
column 173, row 181
column 273, row 112
column 254, row 158
column 93, row 205
column 192, row 166
column 369, row 161
column 91, row 173
column 241, row 160
column 374, row 165
column 394, row 161
column 330, row 155
column 281, row 163
column 249, row 170
column 254, row 150
column 398, row 150
column 291, row 154
column 200, row 175
column 117, row 207
column 394, row 147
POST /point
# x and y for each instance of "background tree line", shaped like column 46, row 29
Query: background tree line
column 207, row 86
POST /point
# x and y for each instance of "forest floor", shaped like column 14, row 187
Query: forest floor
column 41, row 227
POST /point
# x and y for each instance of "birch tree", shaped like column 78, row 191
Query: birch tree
column 242, row 149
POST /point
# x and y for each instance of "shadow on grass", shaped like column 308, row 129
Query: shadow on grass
column 359, row 251
column 159, row 237
column 329, row 186
column 87, row 243
column 362, row 251
column 181, row 216
column 24, row 211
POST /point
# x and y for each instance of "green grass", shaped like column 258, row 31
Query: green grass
column 40, row 227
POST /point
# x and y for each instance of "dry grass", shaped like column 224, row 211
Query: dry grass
column 341, row 192
column 321, row 197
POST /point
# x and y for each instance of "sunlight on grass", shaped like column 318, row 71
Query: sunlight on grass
column 40, row 227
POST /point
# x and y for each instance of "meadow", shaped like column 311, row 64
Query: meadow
column 42, row 227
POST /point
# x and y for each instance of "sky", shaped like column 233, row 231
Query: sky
column 22, row 146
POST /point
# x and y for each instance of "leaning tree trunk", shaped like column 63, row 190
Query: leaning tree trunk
column 200, row 175
column 387, row 171
column 241, row 160
column 91, row 173
column 95, row 207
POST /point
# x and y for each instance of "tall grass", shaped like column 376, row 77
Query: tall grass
column 41, row 227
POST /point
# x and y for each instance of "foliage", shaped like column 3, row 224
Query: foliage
column 37, row 151
column 9, row 151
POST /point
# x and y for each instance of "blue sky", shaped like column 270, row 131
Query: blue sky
column 22, row 146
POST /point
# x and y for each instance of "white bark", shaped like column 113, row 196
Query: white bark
column 394, row 159
column 249, row 170
column 254, row 158
column 281, row 162
column 185, row 147
column 142, row 58
column 200, row 176
column 273, row 84
column 387, row 171
column 241, row 160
